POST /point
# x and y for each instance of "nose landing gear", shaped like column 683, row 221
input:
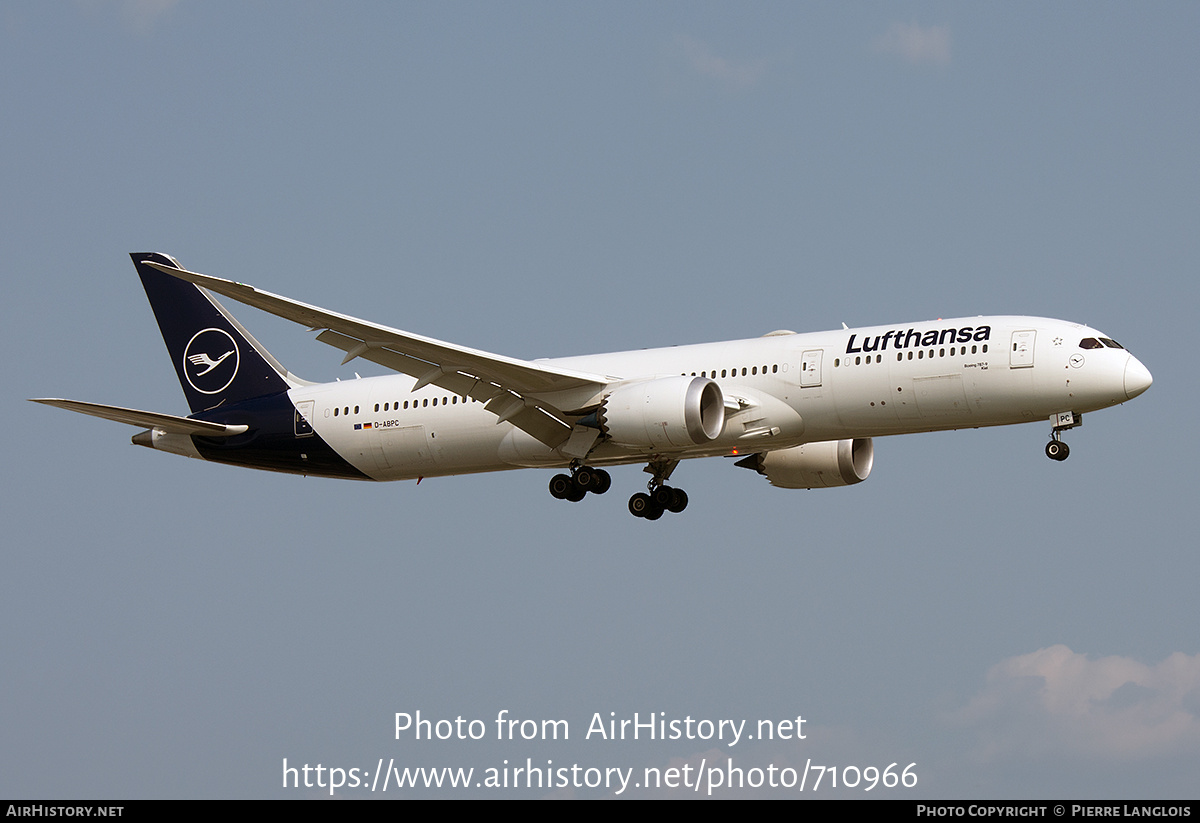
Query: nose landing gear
column 1056, row 449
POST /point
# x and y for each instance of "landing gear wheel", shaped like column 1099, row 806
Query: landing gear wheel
column 640, row 504
column 663, row 497
column 585, row 478
column 575, row 486
column 602, row 481
column 1057, row 450
column 679, row 503
column 561, row 485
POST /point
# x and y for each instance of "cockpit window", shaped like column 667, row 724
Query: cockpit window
column 1112, row 344
column 1090, row 343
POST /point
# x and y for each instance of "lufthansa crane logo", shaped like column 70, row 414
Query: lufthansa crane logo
column 210, row 361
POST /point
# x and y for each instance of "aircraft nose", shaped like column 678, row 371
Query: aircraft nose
column 1137, row 378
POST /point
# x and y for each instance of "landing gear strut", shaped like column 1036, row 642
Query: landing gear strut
column 1056, row 449
column 661, row 497
column 579, row 482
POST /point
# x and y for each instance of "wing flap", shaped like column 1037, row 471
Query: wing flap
column 155, row 420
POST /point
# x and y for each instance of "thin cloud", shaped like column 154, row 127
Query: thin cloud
column 701, row 60
column 1056, row 702
column 917, row 45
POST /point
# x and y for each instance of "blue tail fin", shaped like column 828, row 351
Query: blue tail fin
column 217, row 360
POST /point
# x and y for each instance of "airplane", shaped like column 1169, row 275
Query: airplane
column 800, row 409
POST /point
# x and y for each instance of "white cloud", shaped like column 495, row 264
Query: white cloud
column 915, row 44
column 1057, row 702
column 699, row 58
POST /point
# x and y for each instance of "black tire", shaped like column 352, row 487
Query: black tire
column 663, row 497
column 560, row 486
column 1057, row 450
column 679, row 503
column 585, row 479
column 639, row 504
column 603, row 482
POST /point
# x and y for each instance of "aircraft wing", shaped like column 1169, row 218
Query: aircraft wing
column 516, row 391
column 154, row 420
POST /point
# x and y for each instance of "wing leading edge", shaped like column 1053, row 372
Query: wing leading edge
column 543, row 401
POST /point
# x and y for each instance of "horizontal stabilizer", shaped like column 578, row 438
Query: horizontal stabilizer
column 164, row 422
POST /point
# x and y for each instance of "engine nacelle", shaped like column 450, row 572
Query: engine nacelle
column 670, row 412
column 817, row 465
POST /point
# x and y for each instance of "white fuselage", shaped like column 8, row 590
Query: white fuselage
column 780, row 390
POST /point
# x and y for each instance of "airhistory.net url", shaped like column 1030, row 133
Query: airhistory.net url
column 696, row 778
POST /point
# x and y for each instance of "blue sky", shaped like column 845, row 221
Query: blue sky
column 542, row 179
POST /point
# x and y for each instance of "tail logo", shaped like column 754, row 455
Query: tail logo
column 210, row 361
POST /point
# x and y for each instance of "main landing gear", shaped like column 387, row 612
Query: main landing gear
column 658, row 498
column 579, row 482
column 661, row 497
column 1056, row 449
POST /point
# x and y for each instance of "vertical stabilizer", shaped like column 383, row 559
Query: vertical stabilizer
column 217, row 360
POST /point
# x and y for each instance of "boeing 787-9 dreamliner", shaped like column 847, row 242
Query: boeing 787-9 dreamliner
column 800, row 409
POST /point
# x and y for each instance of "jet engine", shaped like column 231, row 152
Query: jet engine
column 815, row 465
column 670, row 412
